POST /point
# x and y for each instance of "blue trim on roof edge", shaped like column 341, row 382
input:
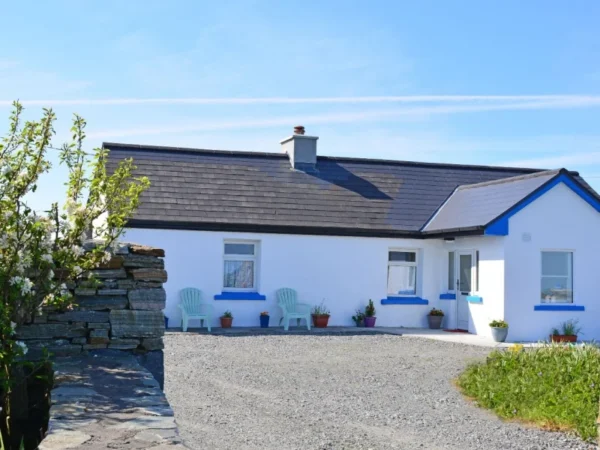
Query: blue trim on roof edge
column 240, row 296
column 404, row 301
column 558, row 307
column 448, row 296
column 499, row 226
column 474, row 299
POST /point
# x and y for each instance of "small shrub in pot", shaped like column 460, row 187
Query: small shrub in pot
column 435, row 318
column 226, row 319
column 567, row 332
column 320, row 316
column 370, row 315
column 359, row 318
column 499, row 330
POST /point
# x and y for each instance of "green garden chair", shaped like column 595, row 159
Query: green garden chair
column 287, row 301
column 190, row 303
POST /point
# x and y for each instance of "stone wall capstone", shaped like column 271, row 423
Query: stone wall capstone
column 120, row 310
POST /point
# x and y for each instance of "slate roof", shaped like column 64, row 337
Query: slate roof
column 250, row 191
column 476, row 205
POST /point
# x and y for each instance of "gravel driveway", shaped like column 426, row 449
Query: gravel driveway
column 332, row 392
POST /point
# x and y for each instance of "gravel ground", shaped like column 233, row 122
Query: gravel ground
column 332, row 392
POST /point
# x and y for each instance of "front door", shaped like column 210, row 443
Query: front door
column 463, row 288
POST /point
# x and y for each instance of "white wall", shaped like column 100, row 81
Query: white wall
column 558, row 220
column 491, row 282
column 345, row 271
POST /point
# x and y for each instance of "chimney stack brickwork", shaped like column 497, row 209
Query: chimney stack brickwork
column 301, row 149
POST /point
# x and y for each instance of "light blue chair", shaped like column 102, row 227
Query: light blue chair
column 287, row 299
column 190, row 303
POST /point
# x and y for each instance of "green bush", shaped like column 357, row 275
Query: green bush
column 555, row 386
column 498, row 324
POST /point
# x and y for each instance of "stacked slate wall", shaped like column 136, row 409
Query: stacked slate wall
column 121, row 308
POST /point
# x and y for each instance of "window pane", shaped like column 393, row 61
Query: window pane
column 402, row 280
column 466, row 262
column 239, row 249
column 557, row 290
column 451, row 282
column 239, row 274
column 556, row 263
column 403, row 256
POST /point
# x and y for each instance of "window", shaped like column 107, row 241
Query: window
column 557, row 277
column 451, row 281
column 240, row 262
column 402, row 272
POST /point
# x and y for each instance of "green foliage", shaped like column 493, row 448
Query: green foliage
column 436, row 312
column 227, row 315
column 370, row 309
column 498, row 324
column 554, row 386
column 359, row 317
column 320, row 310
column 568, row 328
column 41, row 253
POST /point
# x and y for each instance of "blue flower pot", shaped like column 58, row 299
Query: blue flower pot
column 264, row 321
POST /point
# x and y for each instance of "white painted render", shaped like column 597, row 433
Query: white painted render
column 558, row 220
column 346, row 272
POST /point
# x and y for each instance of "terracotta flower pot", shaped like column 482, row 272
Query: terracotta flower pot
column 320, row 321
column 370, row 322
column 226, row 322
column 563, row 338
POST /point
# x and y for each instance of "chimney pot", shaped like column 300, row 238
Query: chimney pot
column 299, row 129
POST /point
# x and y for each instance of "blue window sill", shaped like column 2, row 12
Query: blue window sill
column 474, row 299
column 404, row 301
column 448, row 296
column 558, row 307
column 240, row 296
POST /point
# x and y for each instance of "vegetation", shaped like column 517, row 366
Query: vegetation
column 41, row 253
column 370, row 309
column 568, row 328
column 359, row 317
column 228, row 315
column 320, row 310
column 264, row 313
column 436, row 312
column 555, row 386
column 498, row 324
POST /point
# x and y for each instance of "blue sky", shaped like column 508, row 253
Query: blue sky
column 495, row 82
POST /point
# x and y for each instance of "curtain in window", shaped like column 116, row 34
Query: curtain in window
column 239, row 274
column 402, row 280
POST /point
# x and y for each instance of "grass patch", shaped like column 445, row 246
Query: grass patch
column 555, row 386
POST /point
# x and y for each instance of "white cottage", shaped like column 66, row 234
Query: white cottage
column 478, row 242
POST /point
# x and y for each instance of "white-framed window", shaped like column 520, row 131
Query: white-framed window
column 240, row 266
column 557, row 276
column 402, row 272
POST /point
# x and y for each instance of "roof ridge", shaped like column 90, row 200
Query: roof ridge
column 167, row 149
column 509, row 179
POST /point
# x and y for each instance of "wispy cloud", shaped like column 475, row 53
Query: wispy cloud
column 556, row 161
column 554, row 100
column 408, row 112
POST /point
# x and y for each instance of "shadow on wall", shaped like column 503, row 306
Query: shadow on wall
column 332, row 173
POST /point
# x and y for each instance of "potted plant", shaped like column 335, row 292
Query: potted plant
column 264, row 319
column 499, row 330
column 359, row 318
column 320, row 316
column 370, row 315
column 567, row 332
column 226, row 319
column 435, row 318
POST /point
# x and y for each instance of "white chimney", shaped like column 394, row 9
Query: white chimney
column 301, row 149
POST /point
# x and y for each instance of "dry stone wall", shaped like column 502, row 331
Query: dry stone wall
column 122, row 309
